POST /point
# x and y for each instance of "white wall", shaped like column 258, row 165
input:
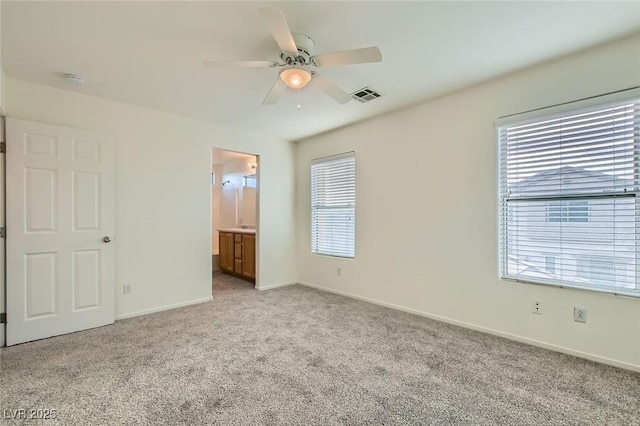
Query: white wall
column 1, row 72
column 239, row 167
column 436, row 253
column 229, row 206
column 163, row 204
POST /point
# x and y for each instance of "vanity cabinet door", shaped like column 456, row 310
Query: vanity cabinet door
column 226, row 251
column 238, row 254
column 221, row 250
column 249, row 256
column 229, row 239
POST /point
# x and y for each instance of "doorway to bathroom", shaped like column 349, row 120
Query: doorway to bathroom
column 234, row 219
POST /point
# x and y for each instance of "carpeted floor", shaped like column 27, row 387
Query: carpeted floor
column 295, row 355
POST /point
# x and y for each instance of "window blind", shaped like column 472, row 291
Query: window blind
column 333, row 204
column 568, row 186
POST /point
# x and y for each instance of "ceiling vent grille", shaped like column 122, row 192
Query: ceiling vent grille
column 365, row 94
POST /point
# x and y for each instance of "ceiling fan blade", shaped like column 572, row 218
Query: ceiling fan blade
column 274, row 94
column 279, row 29
column 331, row 89
column 348, row 57
column 239, row 64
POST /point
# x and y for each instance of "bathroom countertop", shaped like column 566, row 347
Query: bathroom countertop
column 239, row 230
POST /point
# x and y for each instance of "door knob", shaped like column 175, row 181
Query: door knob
column 106, row 239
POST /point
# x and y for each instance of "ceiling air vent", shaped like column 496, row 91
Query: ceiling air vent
column 365, row 94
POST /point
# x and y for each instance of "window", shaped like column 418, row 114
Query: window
column 333, row 205
column 597, row 270
column 249, row 181
column 568, row 211
column 550, row 264
column 568, row 184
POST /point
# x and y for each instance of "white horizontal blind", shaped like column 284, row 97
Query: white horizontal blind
column 333, row 205
column 568, row 205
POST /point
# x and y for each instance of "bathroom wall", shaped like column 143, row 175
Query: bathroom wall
column 238, row 204
column 216, row 189
column 248, row 207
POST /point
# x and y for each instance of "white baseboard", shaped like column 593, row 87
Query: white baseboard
column 271, row 286
column 164, row 308
column 562, row 349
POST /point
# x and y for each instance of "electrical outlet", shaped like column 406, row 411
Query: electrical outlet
column 536, row 307
column 127, row 288
column 339, row 271
column 580, row 314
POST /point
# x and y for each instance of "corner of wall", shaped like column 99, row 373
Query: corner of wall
column 439, row 209
column 2, row 280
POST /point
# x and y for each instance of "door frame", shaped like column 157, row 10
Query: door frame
column 257, row 173
column 3, row 215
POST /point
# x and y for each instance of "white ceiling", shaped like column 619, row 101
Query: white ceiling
column 151, row 53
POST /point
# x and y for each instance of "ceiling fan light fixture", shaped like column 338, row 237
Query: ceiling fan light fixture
column 295, row 78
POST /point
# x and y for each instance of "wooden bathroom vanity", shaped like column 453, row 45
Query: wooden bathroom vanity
column 238, row 252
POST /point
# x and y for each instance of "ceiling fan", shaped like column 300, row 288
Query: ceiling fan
column 297, row 55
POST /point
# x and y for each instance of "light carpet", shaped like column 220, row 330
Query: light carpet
column 296, row 355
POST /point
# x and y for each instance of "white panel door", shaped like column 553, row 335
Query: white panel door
column 60, row 260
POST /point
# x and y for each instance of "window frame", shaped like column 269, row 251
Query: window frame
column 550, row 113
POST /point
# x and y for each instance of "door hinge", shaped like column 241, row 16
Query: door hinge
column 3, row 147
column 3, row 232
column 3, row 318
